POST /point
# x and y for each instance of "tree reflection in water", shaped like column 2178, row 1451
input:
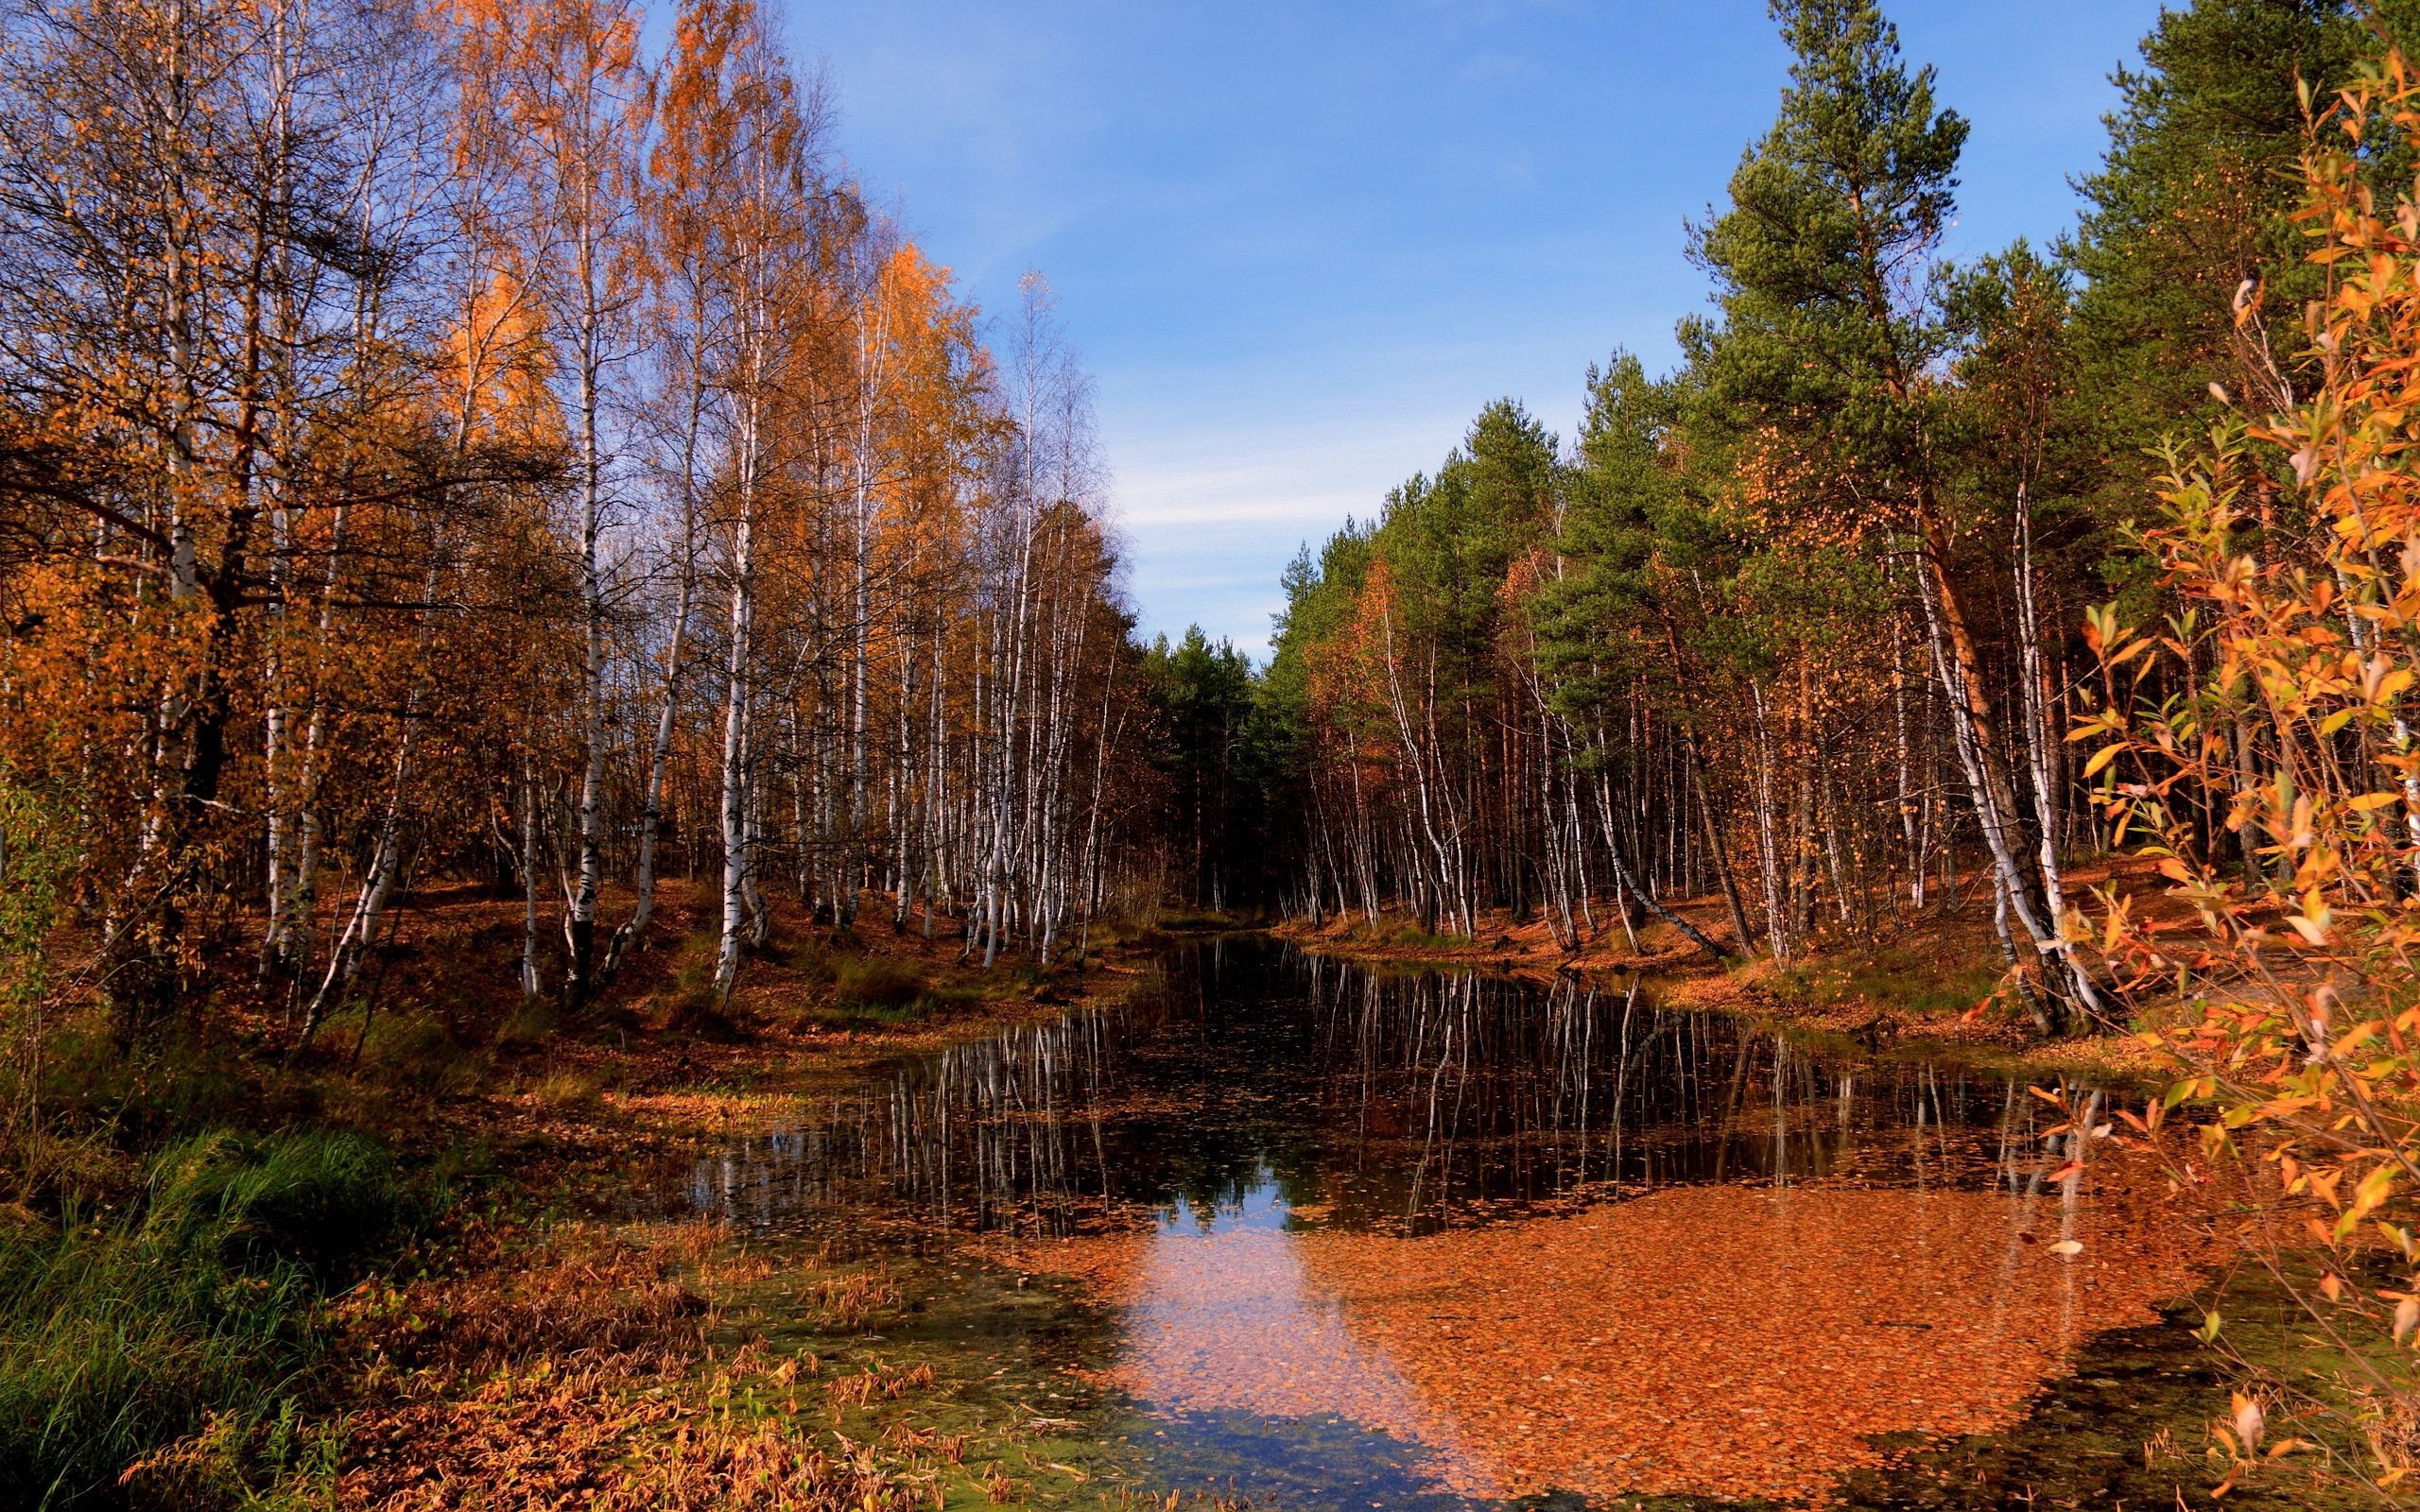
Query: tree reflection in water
column 1403, row 1103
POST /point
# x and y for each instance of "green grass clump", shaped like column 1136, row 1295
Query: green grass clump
column 528, row 1025
column 814, row 961
column 194, row 1310
column 566, row 1088
column 412, row 1047
column 1197, row 919
column 318, row 1200
column 877, row 991
column 942, row 1002
column 876, row 982
column 1908, row 979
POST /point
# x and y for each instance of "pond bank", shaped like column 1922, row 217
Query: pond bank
column 1925, row 984
column 580, row 1339
column 513, row 1328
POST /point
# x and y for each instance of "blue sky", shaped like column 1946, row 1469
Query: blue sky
column 1299, row 246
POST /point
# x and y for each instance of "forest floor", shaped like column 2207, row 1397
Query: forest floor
column 551, row 1326
column 1933, row 983
column 554, row 1326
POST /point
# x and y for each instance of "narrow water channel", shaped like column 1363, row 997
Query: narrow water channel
column 1363, row 1239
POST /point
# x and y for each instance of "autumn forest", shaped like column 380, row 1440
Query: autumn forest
column 603, row 905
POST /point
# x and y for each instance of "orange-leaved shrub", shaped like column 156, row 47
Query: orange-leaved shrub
column 2258, row 743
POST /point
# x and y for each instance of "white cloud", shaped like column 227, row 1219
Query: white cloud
column 1212, row 512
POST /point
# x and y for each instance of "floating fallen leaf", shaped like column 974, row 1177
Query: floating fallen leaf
column 2248, row 1422
column 2068, row 1247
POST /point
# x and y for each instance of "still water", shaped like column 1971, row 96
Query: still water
column 1369, row 1239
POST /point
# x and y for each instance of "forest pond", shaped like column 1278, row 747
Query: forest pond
column 1323, row 1236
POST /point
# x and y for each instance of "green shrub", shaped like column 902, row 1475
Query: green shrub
column 37, row 856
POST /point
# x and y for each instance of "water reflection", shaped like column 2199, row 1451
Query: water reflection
column 1430, row 1240
column 1397, row 1102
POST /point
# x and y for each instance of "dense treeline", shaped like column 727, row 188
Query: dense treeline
column 1799, row 624
column 455, row 441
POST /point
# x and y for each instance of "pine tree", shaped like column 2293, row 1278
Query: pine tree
column 1826, row 274
column 1202, row 695
column 2193, row 202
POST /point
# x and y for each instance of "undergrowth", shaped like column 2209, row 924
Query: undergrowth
column 1411, row 936
column 880, row 991
column 1913, row 979
column 195, row 1304
column 876, row 982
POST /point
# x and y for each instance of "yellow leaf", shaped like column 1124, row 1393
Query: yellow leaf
column 2374, row 1189
column 2068, row 1247
column 2101, row 758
